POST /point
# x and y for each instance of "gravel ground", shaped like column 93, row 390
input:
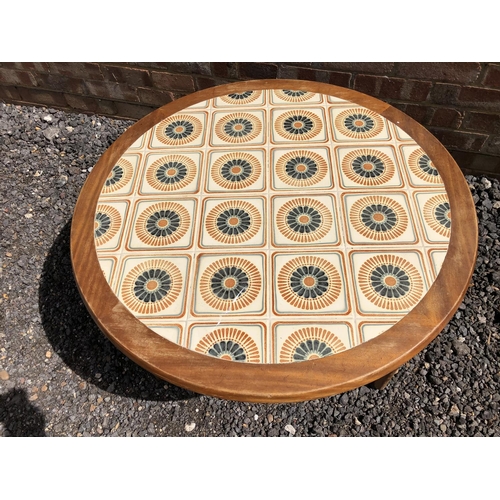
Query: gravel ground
column 59, row 375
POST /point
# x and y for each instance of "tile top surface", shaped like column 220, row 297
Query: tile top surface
column 272, row 226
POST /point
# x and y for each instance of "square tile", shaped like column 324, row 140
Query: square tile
column 305, row 220
column 238, row 222
column 154, row 285
column 383, row 218
column 242, row 342
column 172, row 173
column 231, row 285
column 252, row 98
column 437, row 257
column 387, row 283
column 294, row 97
column 312, row 340
column 369, row 330
column 238, row 128
column 298, row 169
column 355, row 124
column 109, row 224
column 401, row 135
column 309, row 284
column 158, row 224
column 435, row 216
column 419, row 167
column 169, row 331
column 372, row 167
column 234, row 170
column 296, row 125
column 181, row 130
column 121, row 179
column 108, row 265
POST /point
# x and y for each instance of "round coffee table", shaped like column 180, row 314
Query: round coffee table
column 274, row 240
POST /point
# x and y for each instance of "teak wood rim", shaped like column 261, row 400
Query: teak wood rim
column 292, row 381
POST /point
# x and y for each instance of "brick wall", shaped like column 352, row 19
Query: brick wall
column 458, row 102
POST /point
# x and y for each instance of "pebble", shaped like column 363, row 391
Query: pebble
column 189, row 427
column 4, row 375
column 290, row 428
column 270, row 418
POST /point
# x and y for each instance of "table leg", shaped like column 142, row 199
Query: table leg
column 382, row 382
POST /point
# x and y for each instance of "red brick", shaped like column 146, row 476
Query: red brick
column 487, row 99
column 132, row 111
column 465, row 141
column 27, row 66
column 444, row 93
column 90, row 104
column 482, row 122
column 461, row 72
column 226, row 70
column 367, row 84
column 446, row 117
column 391, row 88
column 15, row 77
column 196, row 68
column 111, row 90
column 9, row 93
column 60, row 83
column 341, row 79
column 87, row 71
column 416, row 90
column 132, row 76
column 205, row 82
column 167, row 81
column 153, row 97
column 418, row 113
column 476, row 163
column 492, row 146
column 251, row 70
column 379, row 68
column 294, row 73
column 492, row 76
column 37, row 96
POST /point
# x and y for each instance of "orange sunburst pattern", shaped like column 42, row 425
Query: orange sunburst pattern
column 438, row 215
column 309, row 283
column 368, row 167
column 177, row 130
column 391, row 282
column 422, row 167
column 171, row 172
column 294, row 95
column 119, row 176
column 310, row 343
column 304, row 220
column 238, row 128
column 162, row 224
column 359, row 123
column 298, row 125
column 233, row 222
column 301, row 168
column 240, row 98
column 230, row 284
column 379, row 218
column 151, row 286
column 230, row 344
column 107, row 223
column 236, row 170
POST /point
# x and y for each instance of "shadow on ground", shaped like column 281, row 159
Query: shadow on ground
column 19, row 417
column 79, row 342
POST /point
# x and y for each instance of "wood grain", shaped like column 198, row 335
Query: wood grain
column 370, row 361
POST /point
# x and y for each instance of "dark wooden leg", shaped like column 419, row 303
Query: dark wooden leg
column 382, row 382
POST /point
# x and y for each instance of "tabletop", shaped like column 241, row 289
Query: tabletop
column 274, row 240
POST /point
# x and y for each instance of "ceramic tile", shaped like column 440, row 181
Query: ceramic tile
column 388, row 283
column 358, row 124
column 234, row 222
column 242, row 342
column 373, row 167
column 298, row 125
column 245, row 127
column 384, row 218
column 171, row 173
column 231, row 171
column 251, row 98
column 229, row 285
column 298, row 169
column 158, row 224
column 271, row 226
column 304, row 220
column 309, row 283
column 295, row 342
column 181, row 130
